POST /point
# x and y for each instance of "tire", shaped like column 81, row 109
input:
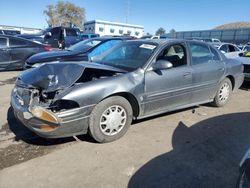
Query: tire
column 223, row 94
column 110, row 119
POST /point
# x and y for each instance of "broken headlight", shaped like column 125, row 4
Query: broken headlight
column 44, row 114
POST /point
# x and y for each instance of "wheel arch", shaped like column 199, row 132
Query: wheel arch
column 131, row 99
column 232, row 79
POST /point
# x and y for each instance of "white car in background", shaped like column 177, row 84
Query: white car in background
column 229, row 50
column 211, row 40
column 246, row 48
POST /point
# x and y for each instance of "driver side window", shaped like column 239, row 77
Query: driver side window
column 175, row 54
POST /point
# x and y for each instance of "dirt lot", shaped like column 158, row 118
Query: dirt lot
column 195, row 147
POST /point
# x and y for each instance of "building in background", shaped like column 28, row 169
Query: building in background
column 113, row 28
column 237, row 36
column 9, row 30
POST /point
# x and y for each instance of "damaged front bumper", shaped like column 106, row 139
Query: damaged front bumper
column 68, row 123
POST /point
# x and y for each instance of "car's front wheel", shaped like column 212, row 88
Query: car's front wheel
column 110, row 119
column 223, row 93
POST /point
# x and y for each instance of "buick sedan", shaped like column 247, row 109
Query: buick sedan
column 133, row 80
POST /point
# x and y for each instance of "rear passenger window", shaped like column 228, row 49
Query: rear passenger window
column 71, row 32
column 231, row 48
column 236, row 49
column 224, row 48
column 200, row 53
column 215, row 55
column 16, row 42
column 3, row 42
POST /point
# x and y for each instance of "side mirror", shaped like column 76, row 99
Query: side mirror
column 48, row 35
column 241, row 54
column 222, row 51
column 162, row 64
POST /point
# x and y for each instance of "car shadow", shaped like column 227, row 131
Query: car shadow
column 206, row 154
column 23, row 133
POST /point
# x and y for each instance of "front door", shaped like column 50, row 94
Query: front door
column 168, row 89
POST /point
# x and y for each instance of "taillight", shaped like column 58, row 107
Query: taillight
column 47, row 48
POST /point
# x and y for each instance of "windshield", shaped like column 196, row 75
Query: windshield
column 127, row 55
column 85, row 45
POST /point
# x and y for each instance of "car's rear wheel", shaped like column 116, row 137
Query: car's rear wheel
column 110, row 119
column 223, row 93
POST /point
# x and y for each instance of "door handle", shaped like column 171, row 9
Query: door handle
column 221, row 69
column 187, row 74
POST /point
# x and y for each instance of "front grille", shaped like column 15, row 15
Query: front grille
column 246, row 68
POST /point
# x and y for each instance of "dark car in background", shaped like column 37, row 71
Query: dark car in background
column 133, row 80
column 82, row 51
column 9, row 32
column 15, row 51
column 56, row 36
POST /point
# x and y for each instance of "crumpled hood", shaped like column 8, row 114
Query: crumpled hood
column 55, row 76
column 50, row 56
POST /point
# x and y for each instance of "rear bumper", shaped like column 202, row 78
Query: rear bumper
column 73, row 122
column 239, row 79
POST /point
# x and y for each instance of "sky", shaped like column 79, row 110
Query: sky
column 181, row 15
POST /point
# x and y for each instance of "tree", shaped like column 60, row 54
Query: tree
column 65, row 14
column 172, row 33
column 160, row 31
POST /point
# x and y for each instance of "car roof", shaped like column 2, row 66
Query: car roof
column 20, row 38
column 110, row 38
column 165, row 41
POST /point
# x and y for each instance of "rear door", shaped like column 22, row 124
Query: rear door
column 4, row 52
column 20, row 51
column 72, row 36
column 208, row 70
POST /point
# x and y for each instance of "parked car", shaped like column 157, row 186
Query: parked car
column 9, row 32
column 14, row 51
column 56, row 37
column 245, row 60
column 211, row 40
column 150, row 37
column 229, row 50
column 82, row 51
column 244, row 177
column 133, row 80
column 89, row 36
